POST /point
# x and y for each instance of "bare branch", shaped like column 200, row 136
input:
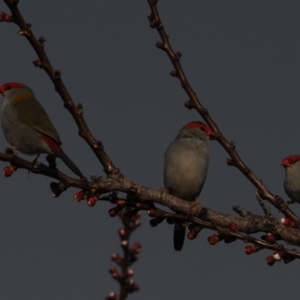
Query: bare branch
column 235, row 159
column 55, row 75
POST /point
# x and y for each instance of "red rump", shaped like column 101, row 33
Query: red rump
column 54, row 146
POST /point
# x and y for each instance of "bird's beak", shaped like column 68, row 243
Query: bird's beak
column 285, row 163
column 212, row 135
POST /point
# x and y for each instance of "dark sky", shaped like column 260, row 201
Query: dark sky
column 242, row 59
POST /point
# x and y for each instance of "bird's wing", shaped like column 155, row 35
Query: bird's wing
column 31, row 113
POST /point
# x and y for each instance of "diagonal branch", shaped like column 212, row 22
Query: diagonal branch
column 235, row 159
column 38, row 45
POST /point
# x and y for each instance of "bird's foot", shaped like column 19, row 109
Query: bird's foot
column 194, row 208
column 285, row 205
column 51, row 159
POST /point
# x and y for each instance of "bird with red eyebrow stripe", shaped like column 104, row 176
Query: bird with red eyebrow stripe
column 185, row 168
column 292, row 177
column 27, row 126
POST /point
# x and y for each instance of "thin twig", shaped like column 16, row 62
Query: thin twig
column 235, row 159
column 55, row 75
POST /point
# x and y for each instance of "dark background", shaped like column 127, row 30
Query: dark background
column 242, row 59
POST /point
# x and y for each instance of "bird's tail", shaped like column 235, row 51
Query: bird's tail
column 63, row 156
column 178, row 237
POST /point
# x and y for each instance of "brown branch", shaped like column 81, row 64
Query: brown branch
column 249, row 223
column 235, row 159
column 55, row 75
column 137, row 194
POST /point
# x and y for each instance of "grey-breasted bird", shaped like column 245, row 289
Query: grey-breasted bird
column 185, row 167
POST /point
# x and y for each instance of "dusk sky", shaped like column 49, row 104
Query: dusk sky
column 242, row 59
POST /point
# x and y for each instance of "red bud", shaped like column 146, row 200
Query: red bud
column 288, row 222
column 5, row 18
column 232, row 226
column 79, row 196
column 114, row 211
column 121, row 203
column 122, row 232
column 131, row 286
column 91, row 201
column 213, row 239
column 251, row 249
column 155, row 213
column 269, row 237
column 8, row 171
column 111, row 296
column 114, row 273
column 270, row 260
column 136, row 248
column 116, row 258
column 142, row 206
column 128, row 273
column 194, row 231
column 124, row 244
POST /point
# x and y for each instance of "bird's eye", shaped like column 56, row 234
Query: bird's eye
column 9, row 87
column 202, row 128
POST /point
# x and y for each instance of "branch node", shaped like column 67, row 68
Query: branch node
column 232, row 145
column 80, row 109
column 57, row 74
column 98, row 145
column 178, row 55
column 38, row 63
column 173, row 74
column 160, row 45
column 67, row 104
column 230, row 162
column 24, row 33
column 42, row 40
column 184, row 84
column 189, row 104
column 154, row 23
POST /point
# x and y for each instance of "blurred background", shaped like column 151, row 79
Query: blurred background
column 242, row 59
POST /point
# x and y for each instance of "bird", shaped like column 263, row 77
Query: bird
column 292, row 177
column 185, row 168
column 27, row 127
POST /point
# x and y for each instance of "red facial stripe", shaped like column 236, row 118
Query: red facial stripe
column 51, row 143
column 290, row 160
column 10, row 85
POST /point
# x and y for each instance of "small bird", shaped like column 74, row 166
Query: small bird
column 27, row 126
column 185, row 168
column 292, row 177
